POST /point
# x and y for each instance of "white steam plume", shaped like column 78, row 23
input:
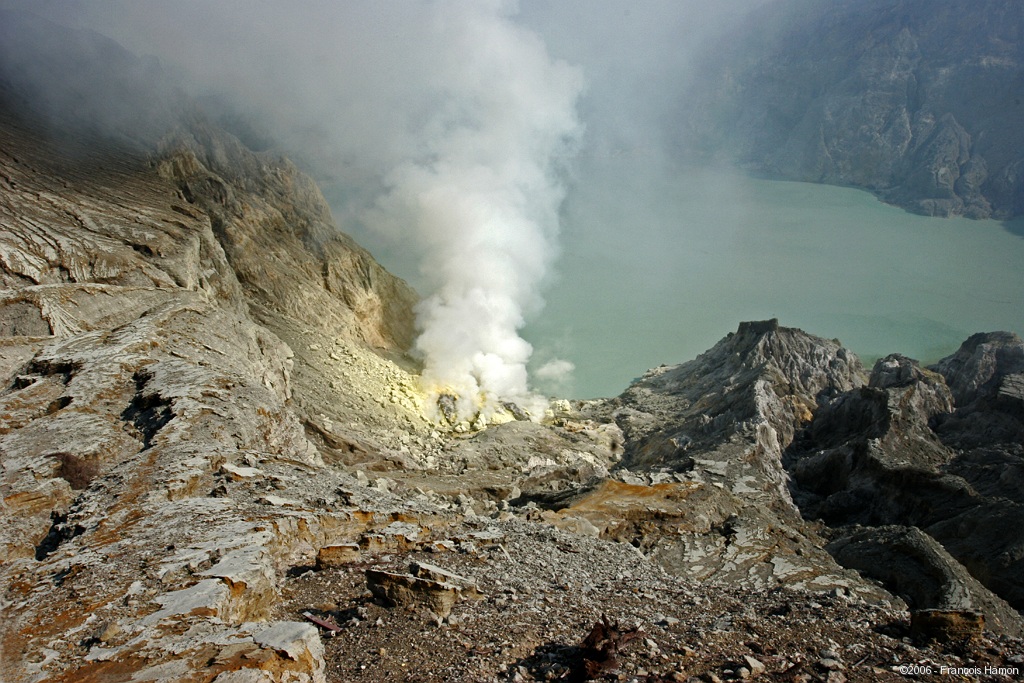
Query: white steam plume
column 440, row 124
column 481, row 198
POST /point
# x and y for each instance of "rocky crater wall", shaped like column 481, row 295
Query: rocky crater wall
column 916, row 101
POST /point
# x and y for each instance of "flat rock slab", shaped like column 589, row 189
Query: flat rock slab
column 294, row 639
column 431, row 572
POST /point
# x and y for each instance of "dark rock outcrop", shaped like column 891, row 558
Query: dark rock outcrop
column 917, row 101
column 914, row 566
column 982, row 366
column 907, row 450
column 870, row 445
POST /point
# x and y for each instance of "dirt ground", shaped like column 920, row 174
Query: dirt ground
column 542, row 591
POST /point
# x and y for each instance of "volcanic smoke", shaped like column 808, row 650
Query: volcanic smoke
column 480, row 199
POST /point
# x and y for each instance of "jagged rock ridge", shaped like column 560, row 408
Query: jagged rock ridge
column 909, row 450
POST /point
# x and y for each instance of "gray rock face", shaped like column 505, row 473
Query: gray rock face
column 709, row 434
column 902, row 451
column 914, row 566
column 282, row 243
column 917, row 101
column 982, row 364
column 729, row 414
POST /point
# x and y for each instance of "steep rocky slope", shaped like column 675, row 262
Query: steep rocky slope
column 281, row 242
column 136, row 379
column 916, row 100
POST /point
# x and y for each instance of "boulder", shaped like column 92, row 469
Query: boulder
column 338, row 555
column 406, row 590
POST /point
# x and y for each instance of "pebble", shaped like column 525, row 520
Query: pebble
column 755, row 666
column 830, row 664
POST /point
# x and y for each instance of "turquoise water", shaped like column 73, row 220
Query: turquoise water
column 657, row 267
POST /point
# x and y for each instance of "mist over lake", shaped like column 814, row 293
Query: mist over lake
column 662, row 267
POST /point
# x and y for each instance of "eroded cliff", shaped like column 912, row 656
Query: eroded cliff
column 136, row 379
column 916, row 101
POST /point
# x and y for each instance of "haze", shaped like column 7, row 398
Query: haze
column 450, row 138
